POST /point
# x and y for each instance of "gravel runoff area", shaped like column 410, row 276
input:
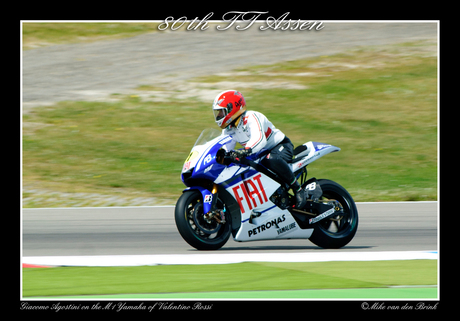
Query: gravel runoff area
column 92, row 71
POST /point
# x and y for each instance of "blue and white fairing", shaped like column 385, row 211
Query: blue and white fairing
column 250, row 188
column 313, row 151
column 202, row 164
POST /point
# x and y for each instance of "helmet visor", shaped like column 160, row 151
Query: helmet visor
column 220, row 113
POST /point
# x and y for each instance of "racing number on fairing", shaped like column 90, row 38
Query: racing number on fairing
column 189, row 159
column 311, row 186
column 191, row 156
column 250, row 188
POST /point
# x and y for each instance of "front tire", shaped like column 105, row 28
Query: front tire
column 194, row 229
column 336, row 231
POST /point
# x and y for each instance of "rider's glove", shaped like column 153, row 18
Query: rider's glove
column 241, row 153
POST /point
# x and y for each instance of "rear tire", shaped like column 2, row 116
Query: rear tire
column 194, row 229
column 336, row 231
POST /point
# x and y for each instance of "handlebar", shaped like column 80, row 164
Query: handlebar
column 226, row 158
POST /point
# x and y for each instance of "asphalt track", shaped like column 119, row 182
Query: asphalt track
column 399, row 226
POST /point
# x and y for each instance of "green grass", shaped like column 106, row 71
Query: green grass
column 70, row 281
column 109, row 146
column 417, row 292
column 378, row 104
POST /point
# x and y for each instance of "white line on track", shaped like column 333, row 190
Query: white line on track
column 184, row 259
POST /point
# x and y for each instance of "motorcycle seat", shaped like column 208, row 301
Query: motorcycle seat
column 299, row 151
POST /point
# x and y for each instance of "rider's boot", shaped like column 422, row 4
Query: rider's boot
column 300, row 197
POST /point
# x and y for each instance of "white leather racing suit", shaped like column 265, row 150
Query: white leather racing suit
column 254, row 131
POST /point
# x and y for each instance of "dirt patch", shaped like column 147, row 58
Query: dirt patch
column 93, row 71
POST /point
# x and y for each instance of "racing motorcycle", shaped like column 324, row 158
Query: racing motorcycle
column 227, row 195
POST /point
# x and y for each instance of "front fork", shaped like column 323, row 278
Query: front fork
column 210, row 210
column 214, row 197
column 214, row 213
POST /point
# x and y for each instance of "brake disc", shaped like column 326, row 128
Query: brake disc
column 201, row 222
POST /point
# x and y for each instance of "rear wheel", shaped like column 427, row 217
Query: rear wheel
column 338, row 230
column 194, row 228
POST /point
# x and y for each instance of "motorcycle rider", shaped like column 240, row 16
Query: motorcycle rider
column 254, row 132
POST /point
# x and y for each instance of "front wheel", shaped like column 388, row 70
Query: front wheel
column 192, row 226
column 336, row 231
